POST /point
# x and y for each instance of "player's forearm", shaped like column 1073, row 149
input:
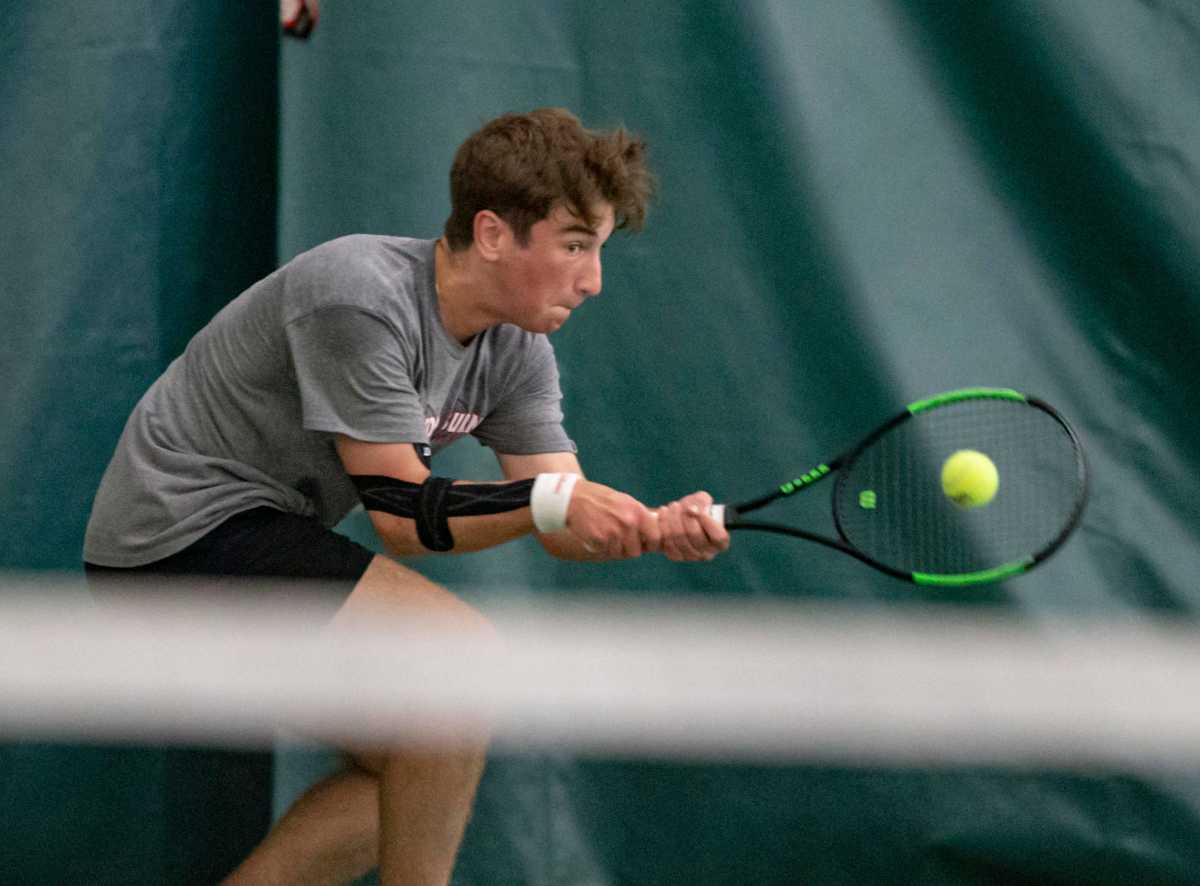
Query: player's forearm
column 576, row 519
column 478, row 533
column 568, row 546
column 471, row 534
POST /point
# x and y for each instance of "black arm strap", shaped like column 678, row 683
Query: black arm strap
column 435, row 501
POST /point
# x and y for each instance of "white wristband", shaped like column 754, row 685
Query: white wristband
column 549, row 500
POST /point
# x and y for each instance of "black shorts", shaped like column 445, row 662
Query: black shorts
column 260, row 543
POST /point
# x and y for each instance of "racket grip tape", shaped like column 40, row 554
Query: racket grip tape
column 717, row 512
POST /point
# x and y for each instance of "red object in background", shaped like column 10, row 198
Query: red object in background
column 298, row 17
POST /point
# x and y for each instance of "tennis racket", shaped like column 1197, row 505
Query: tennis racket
column 890, row 510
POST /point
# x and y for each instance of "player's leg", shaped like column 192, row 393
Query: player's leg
column 426, row 789
column 330, row 835
column 405, row 808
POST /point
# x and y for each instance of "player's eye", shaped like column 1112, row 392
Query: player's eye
column 574, row 248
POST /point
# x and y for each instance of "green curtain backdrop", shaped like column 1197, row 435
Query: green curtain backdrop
column 862, row 202
column 138, row 174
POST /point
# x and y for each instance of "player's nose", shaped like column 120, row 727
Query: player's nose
column 591, row 280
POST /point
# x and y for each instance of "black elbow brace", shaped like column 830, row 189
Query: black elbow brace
column 432, row 503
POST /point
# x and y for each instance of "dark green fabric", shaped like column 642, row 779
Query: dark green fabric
column 138, row 157
column 862, row 203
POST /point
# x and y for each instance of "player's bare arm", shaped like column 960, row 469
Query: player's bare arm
column 400, row 535
column 682, row 530
column 602, row 523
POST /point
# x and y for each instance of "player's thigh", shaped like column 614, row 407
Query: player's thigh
column 390, row 592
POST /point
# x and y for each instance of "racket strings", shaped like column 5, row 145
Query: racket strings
column 889, row 501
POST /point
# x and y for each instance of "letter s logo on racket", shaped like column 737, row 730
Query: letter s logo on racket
column 966, row 487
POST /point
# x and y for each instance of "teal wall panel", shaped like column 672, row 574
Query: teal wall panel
column 138, row 148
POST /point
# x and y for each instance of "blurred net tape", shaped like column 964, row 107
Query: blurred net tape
column 691, row 680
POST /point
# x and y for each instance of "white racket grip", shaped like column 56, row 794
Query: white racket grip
column 717, row 512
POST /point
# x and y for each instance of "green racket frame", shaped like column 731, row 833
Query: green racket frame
column 732, row 514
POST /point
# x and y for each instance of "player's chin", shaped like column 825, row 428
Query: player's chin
column 554, row 320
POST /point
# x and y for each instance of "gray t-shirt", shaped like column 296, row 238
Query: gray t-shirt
column 344, row 339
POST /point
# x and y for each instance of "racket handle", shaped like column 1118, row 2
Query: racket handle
column 717, row 512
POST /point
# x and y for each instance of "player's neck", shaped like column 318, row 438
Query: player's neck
column 462, row 293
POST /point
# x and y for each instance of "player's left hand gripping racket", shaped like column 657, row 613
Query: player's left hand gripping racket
column 890, row 510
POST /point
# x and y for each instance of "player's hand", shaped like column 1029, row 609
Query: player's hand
column 687, row 532
column 611, row 525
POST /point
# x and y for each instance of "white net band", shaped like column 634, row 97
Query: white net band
column 664, row 679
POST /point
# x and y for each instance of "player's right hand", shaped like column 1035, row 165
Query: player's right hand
column 688, row 533
column 610, row 524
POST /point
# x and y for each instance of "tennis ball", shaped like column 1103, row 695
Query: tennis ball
column 969, row 478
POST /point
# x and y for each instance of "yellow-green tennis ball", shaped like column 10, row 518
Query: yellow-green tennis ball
column 969, row 478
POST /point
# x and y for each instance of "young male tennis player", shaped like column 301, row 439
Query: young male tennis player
column 332, row 382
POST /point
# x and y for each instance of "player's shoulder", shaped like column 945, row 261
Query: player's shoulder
column 364, row 254
column 359, row 270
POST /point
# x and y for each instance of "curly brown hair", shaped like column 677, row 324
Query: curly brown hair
column 520, row 166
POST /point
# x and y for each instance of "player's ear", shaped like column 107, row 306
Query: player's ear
column 491, row 234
